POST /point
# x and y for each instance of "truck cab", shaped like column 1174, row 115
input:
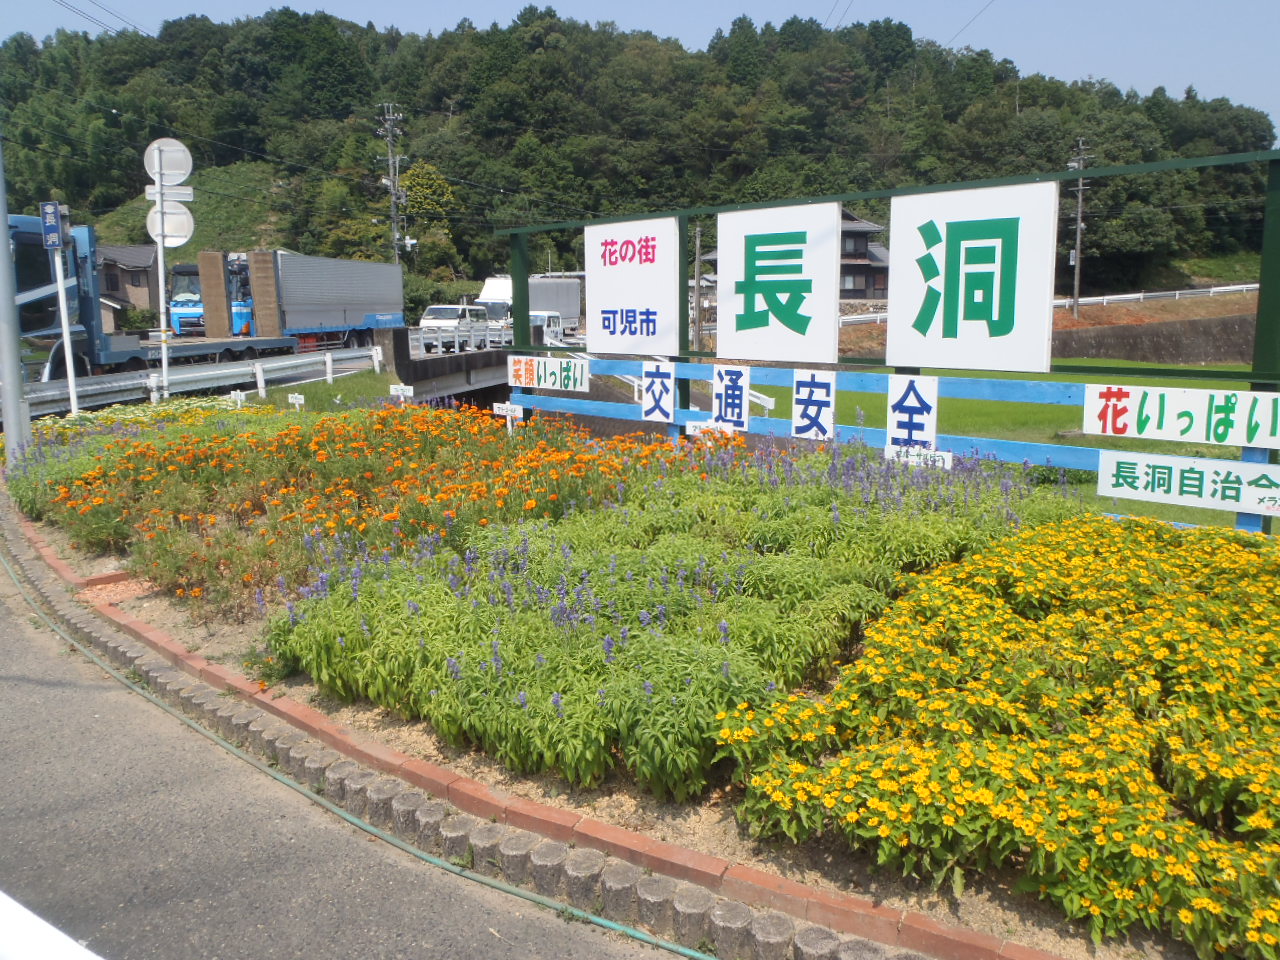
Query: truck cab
column 449, row 315
column 552, row 323
column 186, row 308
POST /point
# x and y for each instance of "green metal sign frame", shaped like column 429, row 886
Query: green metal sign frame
column 1265, row 371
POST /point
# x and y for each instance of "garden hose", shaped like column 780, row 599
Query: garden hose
column 563, row 909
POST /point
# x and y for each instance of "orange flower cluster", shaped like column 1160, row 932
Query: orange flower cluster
column 389, row 476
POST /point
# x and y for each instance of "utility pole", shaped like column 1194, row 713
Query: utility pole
column 17, row 417
column 390, row 131
column 1078, row 162
column 697, row 287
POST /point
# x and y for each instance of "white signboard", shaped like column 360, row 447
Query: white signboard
column 731, row 397
column 174, row 228
column 699, row 427
column 508, row 409
column 298, row 400
column 912, row 419
column 778, row 284
column 167, row 161
column 402, row 392
column 549, row 373
column 633, row 287
column 971, row 278
column 1216, row 484
column 658, row 391
column 920, row 457
column 1238, row 418
column 813, row 404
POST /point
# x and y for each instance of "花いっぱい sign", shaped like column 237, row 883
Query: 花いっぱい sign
column 777, row 283
column 1240, row 418
column 633, row 287
column 971, row 278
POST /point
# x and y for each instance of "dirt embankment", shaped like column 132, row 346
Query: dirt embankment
column 868, row 340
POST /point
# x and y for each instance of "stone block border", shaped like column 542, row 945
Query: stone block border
column 681, row 895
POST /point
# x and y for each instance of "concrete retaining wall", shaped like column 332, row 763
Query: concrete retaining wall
column 1205, row 340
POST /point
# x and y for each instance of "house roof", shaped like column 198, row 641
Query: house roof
column 141, row 256
column 855, row 224
column 878, row 253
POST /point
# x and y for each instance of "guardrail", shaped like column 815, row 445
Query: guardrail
column 46, row 399
column 457, row 337
column 861, row 318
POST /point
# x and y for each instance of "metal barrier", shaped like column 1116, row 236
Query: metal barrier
column 46, row 399
column 458, row 336
column 861, row 318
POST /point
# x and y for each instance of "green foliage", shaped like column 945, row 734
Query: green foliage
column 232, row 212
column 139, row 318
column 549, row 118
column 1090, row 703
column 603, row 638
column 428, row 195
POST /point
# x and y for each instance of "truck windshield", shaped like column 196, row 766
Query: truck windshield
column 185, row 287
column 32, row 265
column 442, row 313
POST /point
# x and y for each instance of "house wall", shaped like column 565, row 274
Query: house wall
column 140, row 288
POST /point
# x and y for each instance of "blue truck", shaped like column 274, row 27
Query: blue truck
column 236, row 307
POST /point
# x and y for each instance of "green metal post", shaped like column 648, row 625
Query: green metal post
column 520, row 290
column 1266, row 338
column 1266, row 330
column 682, row 386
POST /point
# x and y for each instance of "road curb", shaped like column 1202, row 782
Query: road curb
column 622, row 875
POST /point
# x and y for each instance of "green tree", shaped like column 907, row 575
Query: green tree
column 428, row 195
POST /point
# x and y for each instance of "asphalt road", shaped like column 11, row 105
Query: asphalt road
column 144, row 840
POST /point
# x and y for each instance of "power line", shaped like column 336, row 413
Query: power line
column 969, row 22
column 827, row 19
column 89, row 17
column 121, row 18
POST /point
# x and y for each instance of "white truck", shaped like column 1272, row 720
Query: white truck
column 560, row 295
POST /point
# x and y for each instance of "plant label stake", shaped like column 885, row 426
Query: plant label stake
column 298, row 400
column 512, row 411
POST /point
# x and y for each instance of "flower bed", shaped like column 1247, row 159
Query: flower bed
column 1094, row 702
column 219, row 505
column 610, row 636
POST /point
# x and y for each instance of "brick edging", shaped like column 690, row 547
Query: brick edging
column 845, row 913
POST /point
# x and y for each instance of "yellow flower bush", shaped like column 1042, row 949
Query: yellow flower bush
column 1093, row 703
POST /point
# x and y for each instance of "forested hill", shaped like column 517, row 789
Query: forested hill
column 549, row 119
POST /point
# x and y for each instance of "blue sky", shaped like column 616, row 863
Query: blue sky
column 1223, row 51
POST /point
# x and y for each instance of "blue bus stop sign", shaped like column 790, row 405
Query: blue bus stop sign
column 51, row 224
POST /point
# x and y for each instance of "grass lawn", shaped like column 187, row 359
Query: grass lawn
column 362, row 389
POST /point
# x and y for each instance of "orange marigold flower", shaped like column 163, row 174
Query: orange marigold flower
column 530, row 504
